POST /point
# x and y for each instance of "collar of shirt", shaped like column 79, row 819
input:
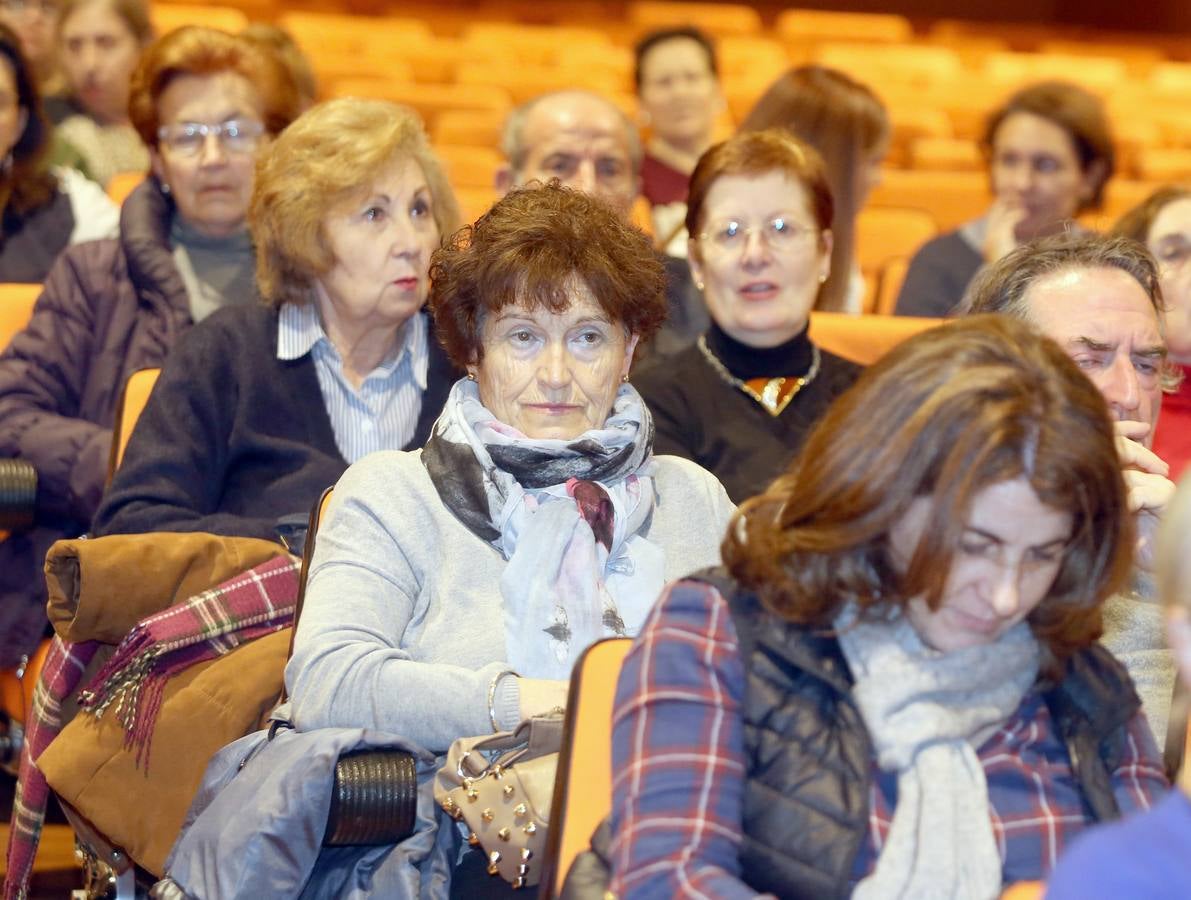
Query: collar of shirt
column 299, row 332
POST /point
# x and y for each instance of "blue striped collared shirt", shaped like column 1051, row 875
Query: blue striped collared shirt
column 382, row 413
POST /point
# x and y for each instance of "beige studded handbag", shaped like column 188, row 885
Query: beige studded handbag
column 500, row 786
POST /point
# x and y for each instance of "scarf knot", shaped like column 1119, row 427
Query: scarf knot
column 927, row 712
column 568, row 515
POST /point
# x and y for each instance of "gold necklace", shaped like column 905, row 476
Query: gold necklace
column 770, row 396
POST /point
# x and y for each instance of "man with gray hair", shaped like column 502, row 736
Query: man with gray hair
column 587, row 143
column 1099, row 299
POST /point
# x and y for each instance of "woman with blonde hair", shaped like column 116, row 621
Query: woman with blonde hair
column 262, row 407
column 849, row 127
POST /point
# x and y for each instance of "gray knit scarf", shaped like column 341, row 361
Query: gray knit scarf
column 927, row 712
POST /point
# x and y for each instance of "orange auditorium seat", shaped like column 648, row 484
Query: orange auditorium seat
column 526, row 81
column 864, row 339
column 470, row 167
column 803, row 26
column 886, row 233
column 716, row 18
column 876, row 65
column 428, row 100
column 946, row 153
column 16, row 306
column 951, row 197
column 890, row 285
column 168, row 16
column 1099, row 74
column 341, row 33
column 122, row 184
column 468, row 129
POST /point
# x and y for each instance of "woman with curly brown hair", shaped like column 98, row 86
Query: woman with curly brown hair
column 894, row 688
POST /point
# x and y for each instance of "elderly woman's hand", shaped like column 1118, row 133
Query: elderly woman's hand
column 540, row 696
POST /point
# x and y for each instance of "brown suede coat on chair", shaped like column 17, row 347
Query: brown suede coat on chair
column 99, row 589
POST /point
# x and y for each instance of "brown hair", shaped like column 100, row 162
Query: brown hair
column 664, row 36
column 1079, row 113
column 1136, row 223
column 755, row 154
column 947, row 413
column 196, row 50
column 29, row 183
column 527, row 249
column 330, row 155
column 133, row 13
column 277, row 40
column 847, row 123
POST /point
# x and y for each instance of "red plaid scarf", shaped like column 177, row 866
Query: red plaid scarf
column 210, row 624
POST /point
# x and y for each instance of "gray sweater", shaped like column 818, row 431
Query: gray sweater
column 402, row 629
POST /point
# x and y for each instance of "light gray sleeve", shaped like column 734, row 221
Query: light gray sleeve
column 349, row 666
column 1134, row 632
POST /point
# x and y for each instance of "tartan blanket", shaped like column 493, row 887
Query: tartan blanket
column 210, row 624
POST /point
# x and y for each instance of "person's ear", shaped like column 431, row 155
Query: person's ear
column 505, row 179
column 629, row 348
column 1093, row 177
column 826, row 242
column 695, row 260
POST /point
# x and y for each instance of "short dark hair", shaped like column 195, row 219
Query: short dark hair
column 663, row 35
column 1079, row 113
column 947, row 413
column 527, row 249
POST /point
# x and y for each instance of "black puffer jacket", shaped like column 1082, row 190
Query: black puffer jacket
column 808, row 753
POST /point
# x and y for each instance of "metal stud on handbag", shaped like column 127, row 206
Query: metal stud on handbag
column 506, row 802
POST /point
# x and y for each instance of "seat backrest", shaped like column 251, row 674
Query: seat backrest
column 16, row 307
column 132, row 403
column 583, row 785
column 864, row 339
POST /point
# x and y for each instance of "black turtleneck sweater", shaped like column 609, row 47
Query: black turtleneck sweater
column 700, row 416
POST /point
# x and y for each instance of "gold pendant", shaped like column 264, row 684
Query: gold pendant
column 771, row 398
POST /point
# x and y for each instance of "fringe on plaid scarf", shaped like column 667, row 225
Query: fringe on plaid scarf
column 132, row 683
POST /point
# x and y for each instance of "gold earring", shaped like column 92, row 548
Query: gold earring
column 822, row 279
column 471, row 376
column 624, row 379
column 699, row 285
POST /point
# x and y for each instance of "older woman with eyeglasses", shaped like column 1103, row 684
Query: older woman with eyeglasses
column 205, row 102
column 740, row 401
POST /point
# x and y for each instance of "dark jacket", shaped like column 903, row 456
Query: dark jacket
column 108, row 308
column 30, row 243
column 809, row 756
column 808, row 753
column 699, row 416
column 939, row 274
column 233, row 438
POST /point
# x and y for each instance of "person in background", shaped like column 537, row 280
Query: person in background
column 205, row 101
column 585, row 142
column 1099, row 298
column 282, row 42
column 33, row 21
column 742, row 399
column 892, row 688
column 1163, row 223
column 261, row 408
column 678, row 89
column 43, row 209
column 849, row 127
column 1050, row 153
column 99, row 43
column 1146, row 855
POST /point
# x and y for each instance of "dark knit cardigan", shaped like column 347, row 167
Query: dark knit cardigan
column 233, row 438
column 700, row 417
